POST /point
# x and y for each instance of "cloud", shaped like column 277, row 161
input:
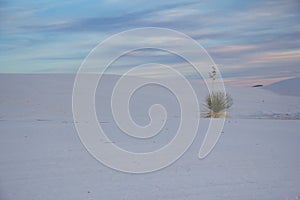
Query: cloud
column 285, row 56
column 234, row 48
column 106, row 23
column 243, row 37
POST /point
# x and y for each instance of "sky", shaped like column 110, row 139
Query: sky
column 250, row 41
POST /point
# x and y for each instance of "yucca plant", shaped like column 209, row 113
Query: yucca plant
column 217, row 103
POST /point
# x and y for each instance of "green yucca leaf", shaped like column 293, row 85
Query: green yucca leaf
column 218, row 102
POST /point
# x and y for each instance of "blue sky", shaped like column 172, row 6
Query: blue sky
column 249, row 40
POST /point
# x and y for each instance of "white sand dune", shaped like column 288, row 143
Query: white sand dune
column 42, row 157
column 286, row 87
column 263, row 104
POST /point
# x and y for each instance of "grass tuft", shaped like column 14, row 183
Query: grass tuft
column 217, row 103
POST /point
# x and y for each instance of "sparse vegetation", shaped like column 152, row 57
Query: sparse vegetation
column 217, row 103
